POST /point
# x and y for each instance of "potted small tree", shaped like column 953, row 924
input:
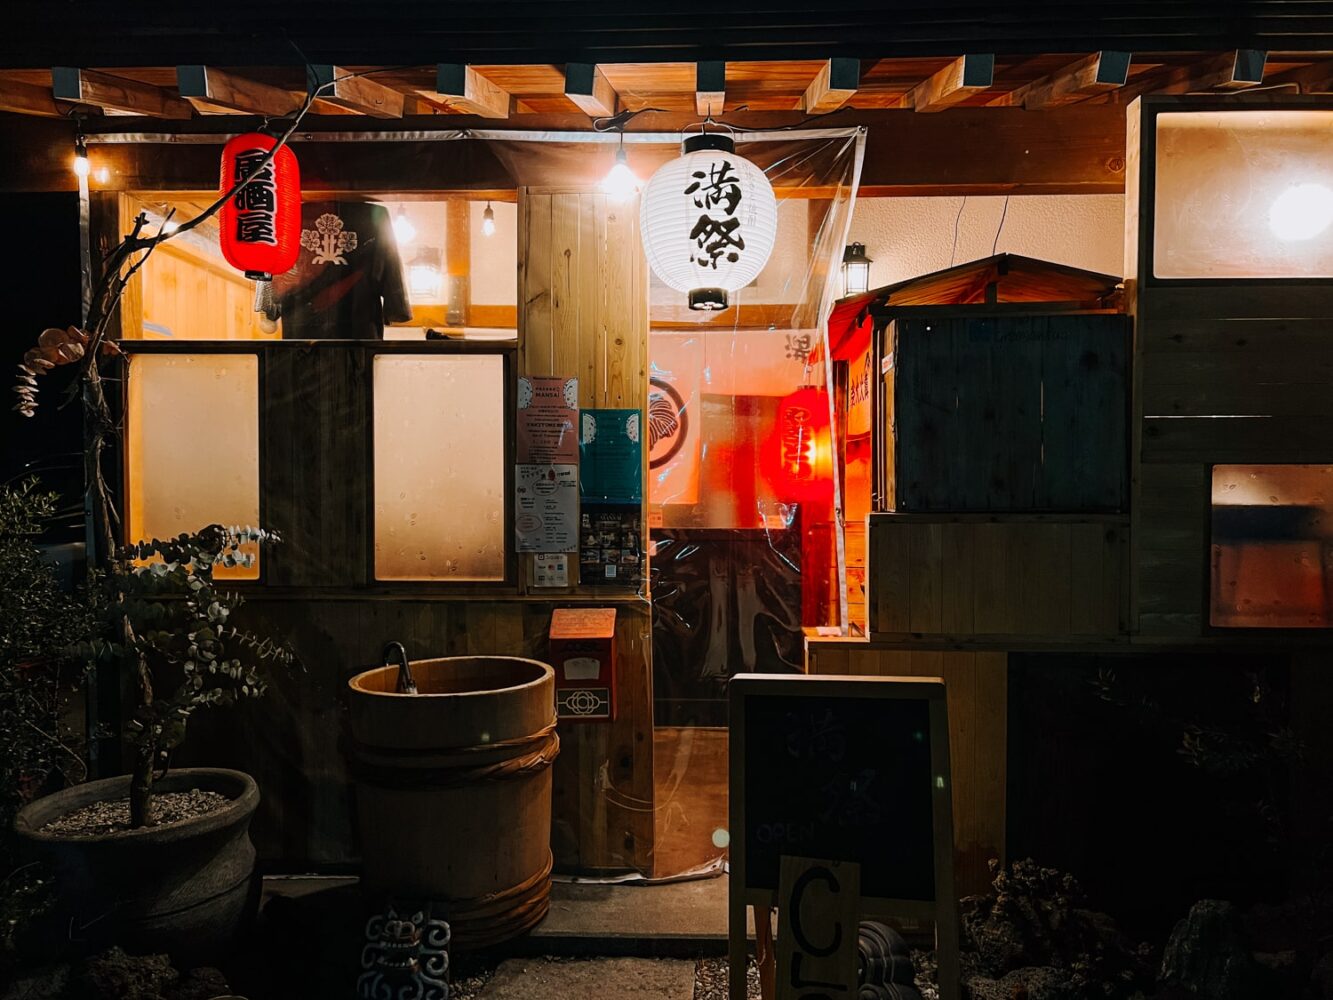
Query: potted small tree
column 161, row 859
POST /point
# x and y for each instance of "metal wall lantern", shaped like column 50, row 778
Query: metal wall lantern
column 855, row 269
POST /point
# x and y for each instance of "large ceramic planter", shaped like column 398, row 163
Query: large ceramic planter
column 188, row 888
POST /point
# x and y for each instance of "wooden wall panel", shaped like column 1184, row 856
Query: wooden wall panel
column 583, row 310
column 1045, row 395
column 1226, row 371
column 290, row 740
column 976, row 687
column 1050, row 577
column 315, row 466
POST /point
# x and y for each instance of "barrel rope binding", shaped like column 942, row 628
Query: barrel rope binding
column 451, row 768
column 475, row 924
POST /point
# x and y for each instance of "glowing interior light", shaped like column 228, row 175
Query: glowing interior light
column 425, row 281
column 403, row 230
column 620, row 184
column 1301, row 212
column 81, row 165
column 488, row 221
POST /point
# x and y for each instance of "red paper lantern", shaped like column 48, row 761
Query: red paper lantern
column 260, row 226
column 802, row 450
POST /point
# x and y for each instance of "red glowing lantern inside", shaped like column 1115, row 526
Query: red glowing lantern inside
column 260, row 226
column 801, row 452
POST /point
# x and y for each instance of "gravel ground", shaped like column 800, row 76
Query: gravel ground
column 113, row 816
column 710, row 979
column 468, row 977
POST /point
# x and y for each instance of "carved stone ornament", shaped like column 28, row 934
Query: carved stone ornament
column 404, row 958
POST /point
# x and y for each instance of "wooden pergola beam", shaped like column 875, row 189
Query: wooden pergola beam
column 466, row 91
column 587, row 86
column 114, row 93
column 28, row 99
column 357, row 93
column 1094, row 74
column 1317, row 78
column 832, row 87
column 212, row 91
column 710, row 88
column 1233, row 70
column 965, row 76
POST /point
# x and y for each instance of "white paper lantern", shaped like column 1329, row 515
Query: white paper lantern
column 709, row 219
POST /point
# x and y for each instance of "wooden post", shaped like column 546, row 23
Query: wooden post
column 458, row 259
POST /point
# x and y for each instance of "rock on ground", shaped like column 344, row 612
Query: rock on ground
column 1207, row 956
column 592, row 979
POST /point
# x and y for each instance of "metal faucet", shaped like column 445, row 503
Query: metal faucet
column 406, row 685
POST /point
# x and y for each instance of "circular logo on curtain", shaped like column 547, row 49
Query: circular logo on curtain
column 668, row 425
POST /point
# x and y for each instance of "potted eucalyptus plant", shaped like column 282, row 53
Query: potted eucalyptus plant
column 161, row 859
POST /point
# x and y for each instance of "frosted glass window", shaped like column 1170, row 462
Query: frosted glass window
column 1244, row 194
column 439, row 467
column 1272, row 553
column 192, row 447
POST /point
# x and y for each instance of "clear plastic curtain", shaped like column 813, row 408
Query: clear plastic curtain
column 743, row 554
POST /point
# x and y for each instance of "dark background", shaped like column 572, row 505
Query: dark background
column 41, row 289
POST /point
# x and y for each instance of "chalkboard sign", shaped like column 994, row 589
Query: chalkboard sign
column 844, row 778
column 848, row 769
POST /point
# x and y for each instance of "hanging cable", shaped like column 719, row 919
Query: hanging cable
column 998, row 231
column 954, row 252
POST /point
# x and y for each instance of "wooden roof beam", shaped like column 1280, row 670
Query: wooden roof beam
column 28, row 99
column 1095, row 74
column 213, row 91
column 361, row 94
column 467, row 92
column 710, row 88
column 832, row 87
column 1317, row 78
column 586, row 85
column 965, row 76
column 1233, row 70
column 114, row 93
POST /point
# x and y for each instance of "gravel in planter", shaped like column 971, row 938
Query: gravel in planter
column 113, row 815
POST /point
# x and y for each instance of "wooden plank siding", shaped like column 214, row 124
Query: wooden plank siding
column 976, row 690
column 1053, row 577
column 291, row 740
column 1226, row 371
column 1010, row 413
column 583, row 311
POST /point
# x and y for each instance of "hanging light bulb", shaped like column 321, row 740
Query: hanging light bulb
column 81, row 165
column 488, row 221
column 403, row 230
column 620, row 184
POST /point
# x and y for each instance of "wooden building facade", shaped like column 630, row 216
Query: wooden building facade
column 1189, row 515
column 1114, row 550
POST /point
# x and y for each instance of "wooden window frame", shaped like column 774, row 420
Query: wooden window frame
column 1249, row 631
column 1143, row 161
column 507, row 350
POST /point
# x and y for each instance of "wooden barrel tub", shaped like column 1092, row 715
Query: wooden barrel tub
column 453, row 790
